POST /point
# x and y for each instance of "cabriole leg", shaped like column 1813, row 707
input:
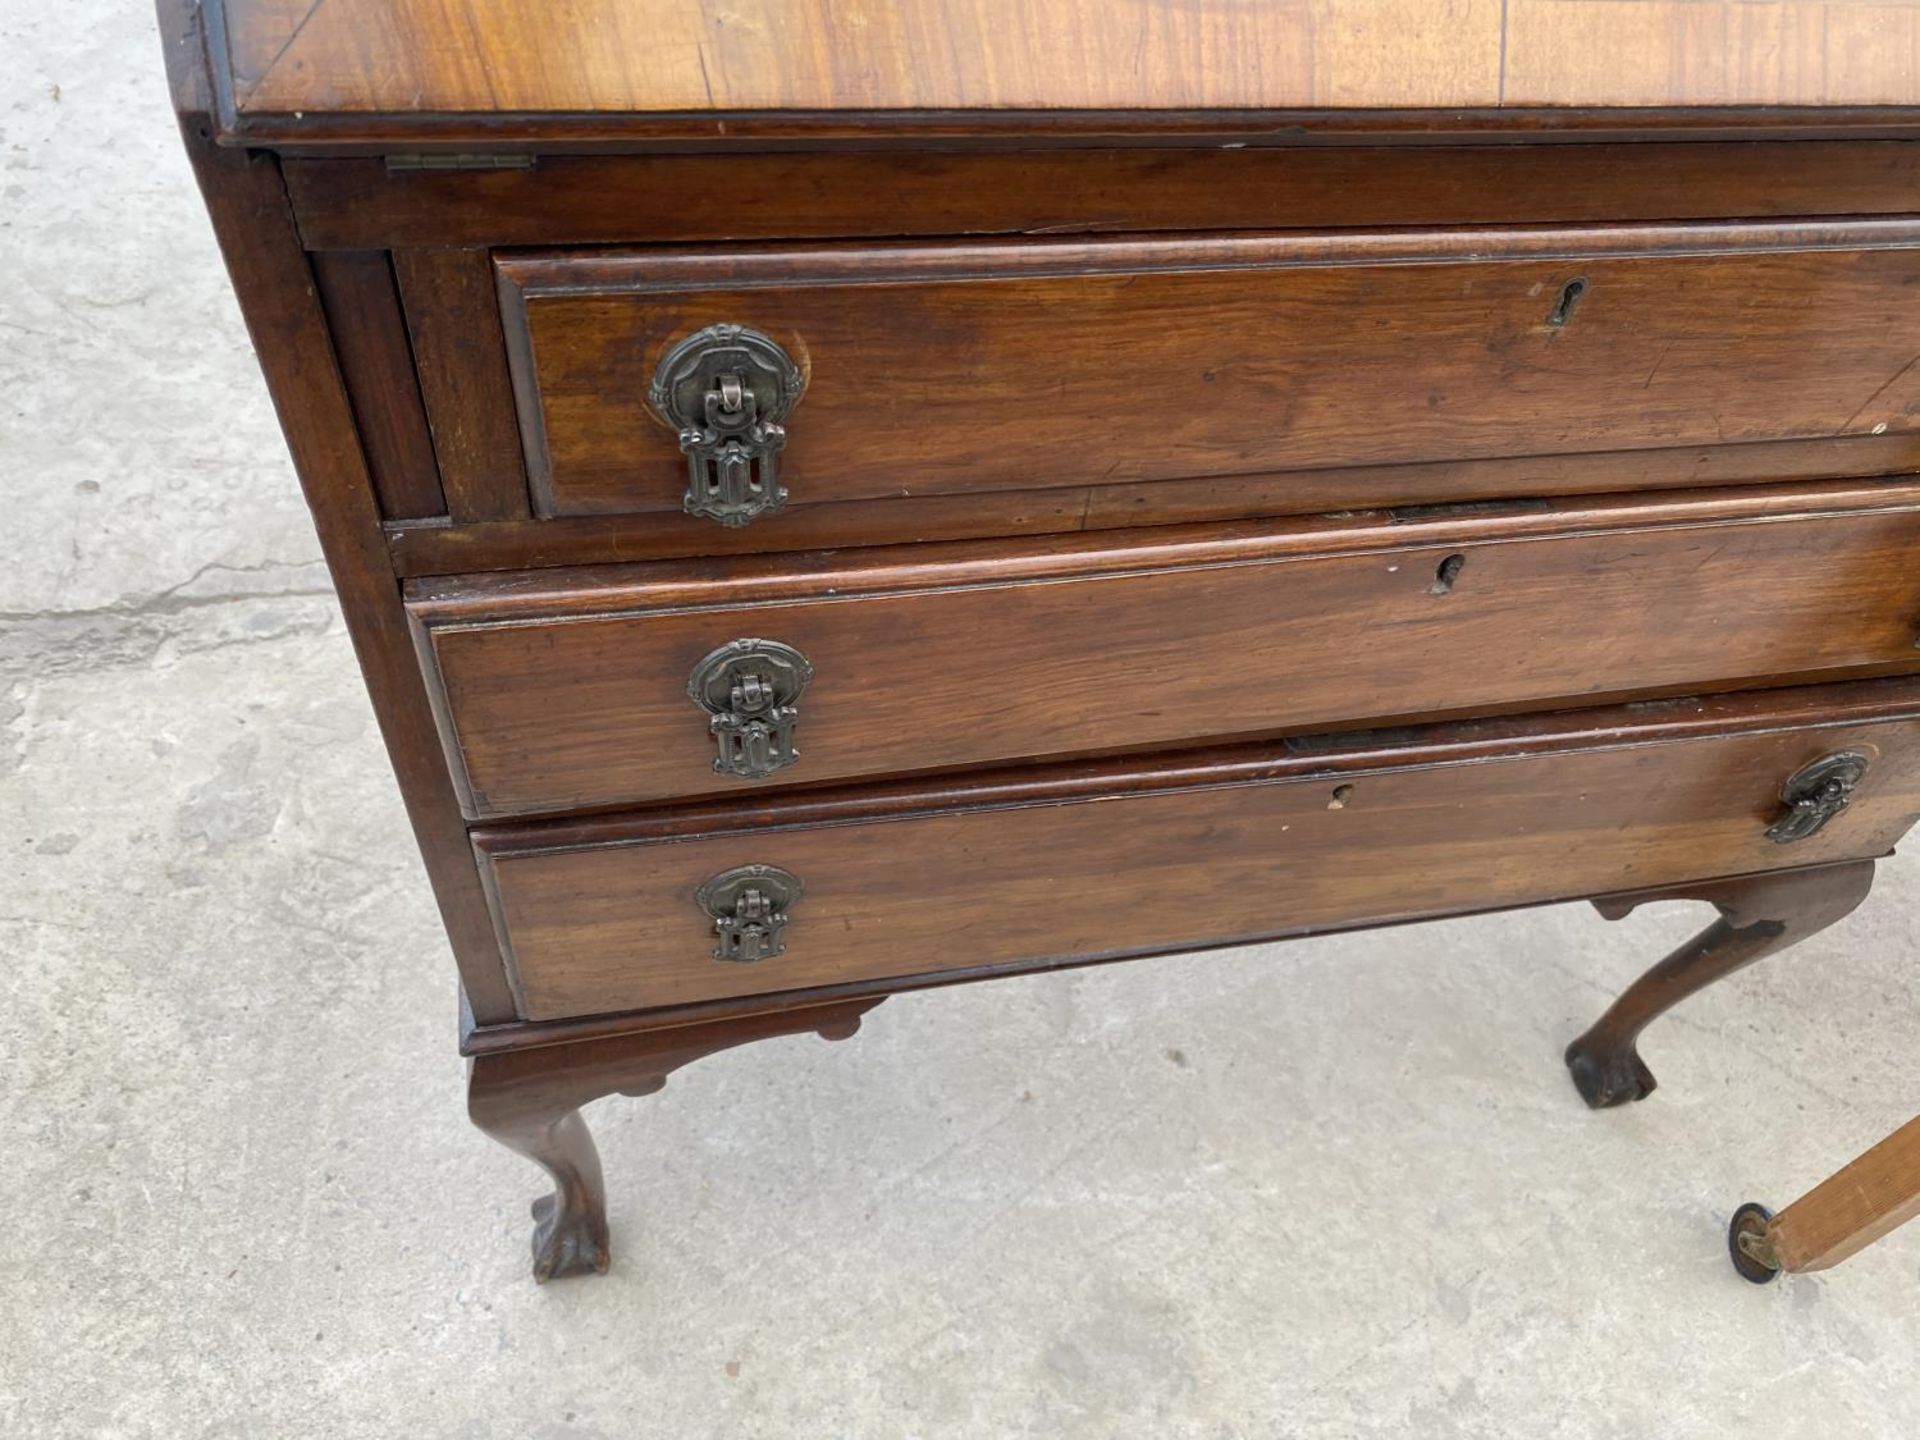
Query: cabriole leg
column 510, row 1098
column 529, row 1100
column 1759, row 915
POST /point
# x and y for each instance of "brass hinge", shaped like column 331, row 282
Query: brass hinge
column 460, row 162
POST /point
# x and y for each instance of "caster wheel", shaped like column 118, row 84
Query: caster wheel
column 1749, row 1225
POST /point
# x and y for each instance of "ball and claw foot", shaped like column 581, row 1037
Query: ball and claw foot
column 1747, row 1244
column 529, row 1100
column 1608, row 1078
column 576, row 1243
column 1759, row 915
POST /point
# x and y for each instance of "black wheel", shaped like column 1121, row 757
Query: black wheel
column 1749, row 1219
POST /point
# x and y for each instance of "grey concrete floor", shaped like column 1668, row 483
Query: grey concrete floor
column 1337, row 1188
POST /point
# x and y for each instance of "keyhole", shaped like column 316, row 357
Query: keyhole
column 1448, row 572
column 1570, row 294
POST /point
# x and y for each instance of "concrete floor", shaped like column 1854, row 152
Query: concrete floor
column 1334, row 1189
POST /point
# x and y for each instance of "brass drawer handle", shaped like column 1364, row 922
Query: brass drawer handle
column 727, row 389
column 749, row 907
column 1815, row 793
column 750, row 688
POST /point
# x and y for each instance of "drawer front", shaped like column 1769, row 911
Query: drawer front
column 559, row 693
column 605, row 917
column 941, row 369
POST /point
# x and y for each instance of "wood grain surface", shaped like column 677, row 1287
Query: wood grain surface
column 569, row 690
column 665, row 199
column 956, row 368
column 439, row 548
column 1286, row 843
column 1872, row 1195
column 314, row 58
column 1711, row 52
column 459, row 352
column 376, row 362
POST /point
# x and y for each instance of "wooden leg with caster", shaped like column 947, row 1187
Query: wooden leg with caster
column 529, row 1100
column 1875, row 1194
column 1759, row 916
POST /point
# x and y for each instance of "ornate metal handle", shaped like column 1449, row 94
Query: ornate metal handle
column 750, row 687
column 1815, row 793
column 727, row 389
column 749, row 908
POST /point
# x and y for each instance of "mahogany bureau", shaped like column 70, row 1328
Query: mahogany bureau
column 832, row 499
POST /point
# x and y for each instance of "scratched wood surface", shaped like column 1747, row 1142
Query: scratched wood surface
column 315, row 57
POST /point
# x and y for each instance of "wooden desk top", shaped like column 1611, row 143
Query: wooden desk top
column 295, row 69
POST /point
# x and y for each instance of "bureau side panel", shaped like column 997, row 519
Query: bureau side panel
column 279, row 299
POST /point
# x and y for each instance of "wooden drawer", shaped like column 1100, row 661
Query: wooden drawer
column 1207, row 850
column 949, row 368
column 568, row 690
